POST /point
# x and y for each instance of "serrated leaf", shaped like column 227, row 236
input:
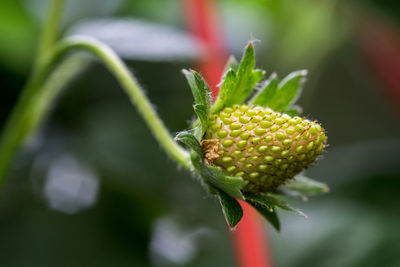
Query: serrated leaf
column 270, row 202
column 201, row 112
column 214, row 176
column 227, row 87
column 260, row 201
column 245, row 80
column 191, row 141
column 283, row 205
column 289, row 90
column 267, row 93
column 231, row 208
column 230, row 185
column 271, row 216
column 305, row 186
column 200, row 90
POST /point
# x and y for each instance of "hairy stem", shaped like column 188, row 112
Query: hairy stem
column 35, row 103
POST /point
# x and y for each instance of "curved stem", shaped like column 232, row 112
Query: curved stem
column 32, row 107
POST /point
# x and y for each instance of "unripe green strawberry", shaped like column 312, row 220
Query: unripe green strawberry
column 263, row 147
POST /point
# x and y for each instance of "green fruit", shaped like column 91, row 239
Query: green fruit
column 263, row 147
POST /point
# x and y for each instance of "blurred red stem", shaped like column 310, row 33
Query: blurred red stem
column 380, row 41
column 250, row 238
column 201, row 20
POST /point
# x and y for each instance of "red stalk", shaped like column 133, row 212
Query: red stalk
column 202, row 23
column 380, row 42
column 250, row 241
column 250, row 237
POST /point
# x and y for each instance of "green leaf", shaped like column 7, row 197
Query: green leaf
column 200, row 90
column 202, row 114
column 294, row 110
column 260, row 201
column 267, row 93
column 283, row 205
column 247, row 77
column 190, row 140
column 212, row 175
column 305, row 186
column 289, row 90
column 270, row 203
column 227, row 87
column 232, row 63
column 202, row 96
column 230, row 185
column 231, row 208
column 271, row 216
column 237, row 86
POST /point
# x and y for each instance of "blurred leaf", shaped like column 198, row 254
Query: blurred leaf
column 267, row 93
column 305, row 186
column 74, row 10
column 138, row 39
column 191, row 141
column 307, row 33
column 294, row 111
column 231, row 208
column 18, row 34
column 289, row 90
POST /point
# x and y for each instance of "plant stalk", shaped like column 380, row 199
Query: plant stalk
column 35, row 102
column 50, row 32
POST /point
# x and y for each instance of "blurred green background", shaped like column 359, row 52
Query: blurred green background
column 93, row 188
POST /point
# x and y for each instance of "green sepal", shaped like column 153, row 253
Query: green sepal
column 267, row 204
column 303, row 186
column 200, row 90
column 232, row 63
column 261, row 201
column 231, row 208
column 202, row 114
column 217, row 178
column 289, row 90
column 294, row 110
column 191, row 141
column 229, row 184
column 238, row 84
column 226, row 90
column 270, row 215
column 267, row 93
column 202, row 96
column 282, row 205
